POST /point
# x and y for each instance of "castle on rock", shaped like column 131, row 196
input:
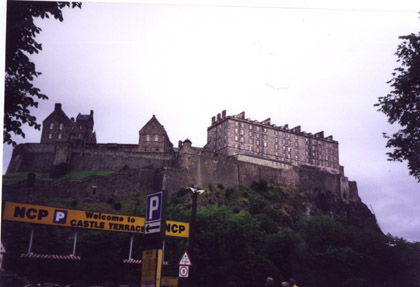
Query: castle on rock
column 238, row 151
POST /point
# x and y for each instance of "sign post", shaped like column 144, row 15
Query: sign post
column 154, row 231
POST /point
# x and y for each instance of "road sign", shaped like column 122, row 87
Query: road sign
column 183, row 271
column 152, row 227
column 185, row 259
column 154, row 207
column 40, row 214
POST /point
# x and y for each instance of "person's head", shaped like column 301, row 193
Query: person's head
column 269, row 282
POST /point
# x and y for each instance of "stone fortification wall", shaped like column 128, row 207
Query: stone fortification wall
column 123, row 184
column 108, row 159
column 42, row 157
column 32, row 157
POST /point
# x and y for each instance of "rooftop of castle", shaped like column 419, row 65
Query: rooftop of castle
column 221, row 117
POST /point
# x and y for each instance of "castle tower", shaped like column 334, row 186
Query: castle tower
column 82, row 132
column 56, row 127
column 153, row 138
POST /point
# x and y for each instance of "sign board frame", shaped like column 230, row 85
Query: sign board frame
column 84, row 219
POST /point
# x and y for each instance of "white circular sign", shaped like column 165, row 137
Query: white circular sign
column 183, row 271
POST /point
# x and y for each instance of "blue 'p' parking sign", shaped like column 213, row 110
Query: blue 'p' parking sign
column 154, row 207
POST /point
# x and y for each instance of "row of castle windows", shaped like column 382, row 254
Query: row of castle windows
column 60, row 136
column 287, row 156
column 156, row 138
column 61, row 126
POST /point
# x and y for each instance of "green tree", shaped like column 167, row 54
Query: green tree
column 402, row 105
column 20, row 93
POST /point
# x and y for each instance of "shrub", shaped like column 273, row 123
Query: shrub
column 60, row 170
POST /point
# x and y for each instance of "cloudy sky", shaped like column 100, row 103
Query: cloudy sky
column 315, row 63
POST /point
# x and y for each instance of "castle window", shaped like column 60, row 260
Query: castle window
column 258, row 129
column 242, row 139
column 277, row 153
column 296, row 157
column 250, row 134
column 277, row 140
column 276, row 146
column 242, row 125
column 51, row 126
column 258, row 136
column 265, row 137
column 258, row 143
column 236, row 138
column 296, row 144
column 236, row 145
column 258, row 149
column 49, row 136
column 276, row 133
column 156, row 138
column 236, row 131
column 265, row 130
column 265, row 144
column 250, row 141
column 80, row 127
column 242, row 132
column 265, row 151
column 250, row 148
column 250, row 127
column 61, row 126
column 242, row 146
column 236, row 124
column 59, row 136
column 148, row 138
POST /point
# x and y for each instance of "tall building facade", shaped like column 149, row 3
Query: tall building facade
column 238, row 136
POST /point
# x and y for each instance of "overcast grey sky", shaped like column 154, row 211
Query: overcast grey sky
column 316, row 63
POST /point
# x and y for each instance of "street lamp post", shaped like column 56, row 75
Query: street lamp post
column 195, row 192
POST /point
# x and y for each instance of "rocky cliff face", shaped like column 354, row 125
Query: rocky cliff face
column 300, row 190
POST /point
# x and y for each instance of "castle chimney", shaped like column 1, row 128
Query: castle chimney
column 91, row 113
column 57, row 107
column 218, row 117
column 224, row 114
column 213, row 120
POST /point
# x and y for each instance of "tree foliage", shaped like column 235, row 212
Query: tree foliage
column 20, row 93
column 235, row 241
column 402, row 105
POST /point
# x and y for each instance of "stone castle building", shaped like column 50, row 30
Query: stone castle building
column 249, row 139
column 238, row 151
column 58, row 128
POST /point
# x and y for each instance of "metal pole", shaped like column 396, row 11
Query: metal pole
column 74, row 243
column 131, row 246
column 30, row 240
column 163, row 251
